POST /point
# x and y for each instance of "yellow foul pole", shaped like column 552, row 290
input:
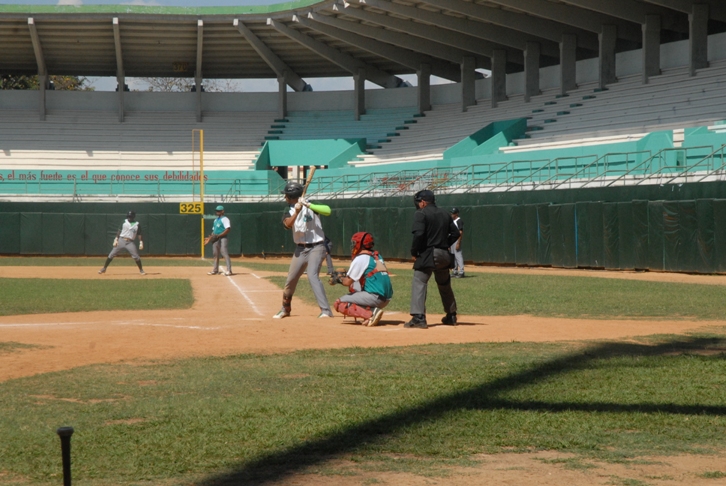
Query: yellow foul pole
column 201, row 182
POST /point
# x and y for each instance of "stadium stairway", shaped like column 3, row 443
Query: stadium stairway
column 442, row 127
column 629, row 108
column 624, row 111
column 377, row 126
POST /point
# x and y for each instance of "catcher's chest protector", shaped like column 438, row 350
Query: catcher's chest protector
column 376, row 279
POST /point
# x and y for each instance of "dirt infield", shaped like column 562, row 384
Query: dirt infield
column 232, row 315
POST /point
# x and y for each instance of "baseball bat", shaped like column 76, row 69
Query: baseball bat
column 307, row 181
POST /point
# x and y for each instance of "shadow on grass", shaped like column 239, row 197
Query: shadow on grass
column 280, row 464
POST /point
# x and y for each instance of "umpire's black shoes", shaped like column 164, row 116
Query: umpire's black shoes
column 417, row 322
column 449, row 319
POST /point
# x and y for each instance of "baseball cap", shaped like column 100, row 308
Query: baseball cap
column 425, row 195
column 219, row 208
column 454, row 211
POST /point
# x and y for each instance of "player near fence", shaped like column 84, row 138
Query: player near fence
column 218, row 239
column 124, row 240
column 328, row 257
column 367, row 280
column 458, row 270
column 303, row 219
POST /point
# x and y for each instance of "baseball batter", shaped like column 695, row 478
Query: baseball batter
column 218, row 238
column 124, row 240
column 307, row 231
column 368, row 282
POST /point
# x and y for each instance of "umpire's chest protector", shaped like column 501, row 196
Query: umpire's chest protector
column 430, row 230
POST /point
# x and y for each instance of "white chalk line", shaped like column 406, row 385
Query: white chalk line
column 262, row 291
column 112, row 323
column 52, row 324
column 256, row 276
column 249, row 301
column 147, row 324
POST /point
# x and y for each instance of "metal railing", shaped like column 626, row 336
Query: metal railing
column 667, row 166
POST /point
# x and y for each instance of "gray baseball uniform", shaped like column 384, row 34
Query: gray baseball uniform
column 307, row 232
column 130, row 229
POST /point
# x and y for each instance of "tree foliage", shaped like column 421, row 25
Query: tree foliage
column 61, row 83
column 183, row 85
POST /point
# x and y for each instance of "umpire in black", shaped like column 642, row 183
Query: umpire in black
column 433, row 234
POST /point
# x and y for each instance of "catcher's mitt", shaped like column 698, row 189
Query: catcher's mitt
column 337, row 277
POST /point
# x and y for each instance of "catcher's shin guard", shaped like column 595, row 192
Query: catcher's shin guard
column 352, row 310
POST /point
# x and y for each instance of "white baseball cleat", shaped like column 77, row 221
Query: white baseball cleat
column 227, row 274
column 102, row 271
column 283, row 313
column 376, row 317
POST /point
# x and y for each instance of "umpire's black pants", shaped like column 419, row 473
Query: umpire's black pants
column 419, row 287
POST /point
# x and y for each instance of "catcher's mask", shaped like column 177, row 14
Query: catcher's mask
column 131, row 215
column 360, row 241
column 293, row 190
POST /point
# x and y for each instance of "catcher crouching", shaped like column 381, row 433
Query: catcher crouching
column 368, row 282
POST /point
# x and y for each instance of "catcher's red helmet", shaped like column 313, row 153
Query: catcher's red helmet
column 360, row 241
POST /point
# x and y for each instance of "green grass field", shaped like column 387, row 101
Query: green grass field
column 419, row 409
column 478, row 294
column 554, row 296
column 39, row 296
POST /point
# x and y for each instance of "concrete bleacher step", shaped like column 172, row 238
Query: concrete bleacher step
column 147, row 141
column 587, row 141
column 445, row 125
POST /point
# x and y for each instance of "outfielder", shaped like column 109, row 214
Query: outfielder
column 218, row 238
column 124, row 240
column 307, row 232
column 368, row 282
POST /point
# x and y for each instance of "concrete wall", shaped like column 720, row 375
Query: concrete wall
column 321, row 100
column 673, row 55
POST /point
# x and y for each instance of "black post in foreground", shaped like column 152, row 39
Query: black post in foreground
column 65, row 434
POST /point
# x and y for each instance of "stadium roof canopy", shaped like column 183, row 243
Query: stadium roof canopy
column 308, row 38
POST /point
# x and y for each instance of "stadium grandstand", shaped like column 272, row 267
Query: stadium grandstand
column 466, row 97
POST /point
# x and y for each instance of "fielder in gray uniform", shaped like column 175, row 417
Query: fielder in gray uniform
column 124, row 240
column 307, row 232
column 458, row 270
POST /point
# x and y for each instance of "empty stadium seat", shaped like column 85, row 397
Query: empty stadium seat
column 151, row 141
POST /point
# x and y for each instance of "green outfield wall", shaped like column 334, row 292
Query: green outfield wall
column 671, row 227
